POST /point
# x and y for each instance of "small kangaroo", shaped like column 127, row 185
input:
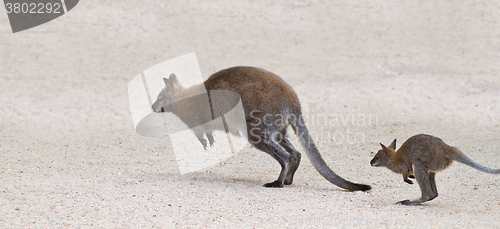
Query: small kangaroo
column 265, row 96
column 420, row 157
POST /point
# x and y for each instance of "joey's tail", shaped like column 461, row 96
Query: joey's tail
column 462, row 158
column 318, row 162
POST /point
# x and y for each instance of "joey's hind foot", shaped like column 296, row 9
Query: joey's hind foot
column 274, row 184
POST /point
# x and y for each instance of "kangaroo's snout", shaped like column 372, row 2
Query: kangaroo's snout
column 156, row 108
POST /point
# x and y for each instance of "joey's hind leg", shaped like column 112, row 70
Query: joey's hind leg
column 295, row 156
column 432, row 180
column 269, row 145
column 427, row 185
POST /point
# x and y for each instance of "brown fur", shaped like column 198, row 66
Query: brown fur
column 420, row 157
column 264, row 96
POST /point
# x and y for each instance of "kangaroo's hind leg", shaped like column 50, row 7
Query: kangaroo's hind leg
column 269, row 144
column 295, row 156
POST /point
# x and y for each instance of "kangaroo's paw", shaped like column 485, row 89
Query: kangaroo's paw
column 203, row 142
column 211, row 139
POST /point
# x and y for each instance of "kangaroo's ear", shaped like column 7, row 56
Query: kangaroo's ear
column 168, row 84
column 393, row 145
column 173, row 78
column 383, row 146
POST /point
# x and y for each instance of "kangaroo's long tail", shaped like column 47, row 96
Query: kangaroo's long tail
column 462, row 158
column 318, row 162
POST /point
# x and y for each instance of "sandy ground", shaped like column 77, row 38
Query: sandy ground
column 70, row 156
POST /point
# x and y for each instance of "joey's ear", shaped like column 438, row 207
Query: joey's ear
column 393, row 145
column 383, row 146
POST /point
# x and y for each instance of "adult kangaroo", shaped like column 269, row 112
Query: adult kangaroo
column 270, row 106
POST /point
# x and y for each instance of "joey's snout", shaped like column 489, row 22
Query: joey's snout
column 374, row 161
